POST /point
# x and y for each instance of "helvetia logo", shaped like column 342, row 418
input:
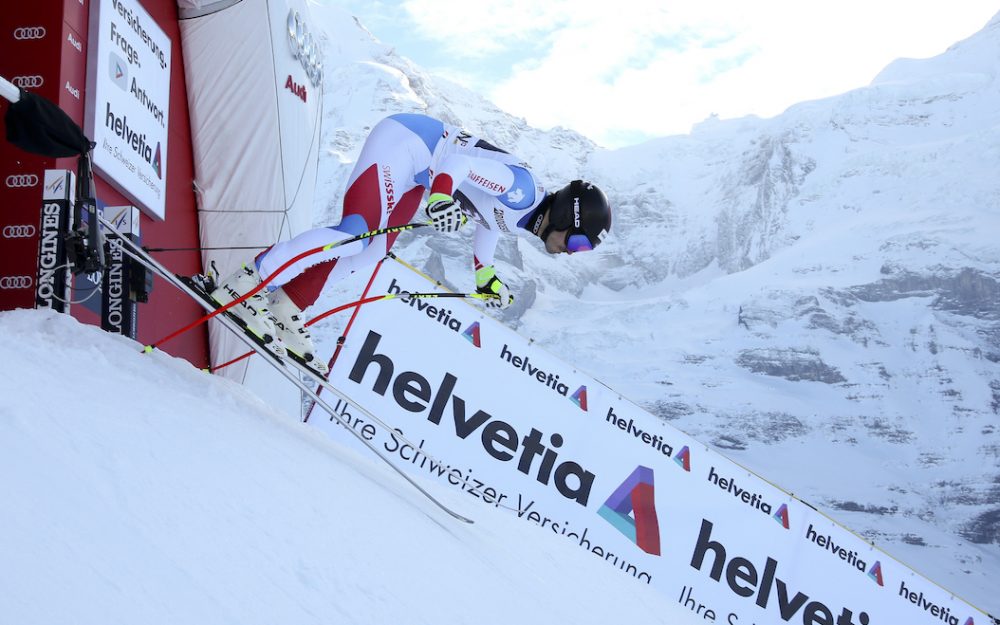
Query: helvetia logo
column 529, row 454
column 157, row 166
column 472, row 334
column 941, row 612
column 683, row 458
column 551, row 380
column 631, row 509
column 134, row 139
column 781, row 516
column 836, row 547
column 875, row 573
column 118, row 71
column 754, row 500
column 434, row 313
column 765, row 586
column 629, row 427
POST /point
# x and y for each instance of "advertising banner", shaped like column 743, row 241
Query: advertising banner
column 489, row 413
column 53, row 277
column 119, row 311
column 128, row 100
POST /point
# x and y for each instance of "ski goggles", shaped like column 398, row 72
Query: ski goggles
column 578, row 243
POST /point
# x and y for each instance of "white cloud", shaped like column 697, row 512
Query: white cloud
column 476, row 29
column 649, row 68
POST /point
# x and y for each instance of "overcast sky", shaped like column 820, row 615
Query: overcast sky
column 625, row 71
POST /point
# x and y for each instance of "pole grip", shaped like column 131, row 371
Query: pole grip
column 9, row 90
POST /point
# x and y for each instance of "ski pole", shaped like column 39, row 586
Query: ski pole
column 362, row 302
column 343, row 334
column 286, row 265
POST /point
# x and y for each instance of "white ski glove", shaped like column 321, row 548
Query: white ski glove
column 487, row 283
column 445, row 213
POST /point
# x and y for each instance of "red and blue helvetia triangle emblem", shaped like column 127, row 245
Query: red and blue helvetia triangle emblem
column 580, row 398
column 876, row 573
column 472, row 333
column 683, row 459
column 781, row 516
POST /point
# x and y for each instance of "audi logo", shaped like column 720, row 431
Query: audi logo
column 28, row 82
column 21, row 181
column 11, row 283
column 29, row 32
column 18, row 231
column 300, row 42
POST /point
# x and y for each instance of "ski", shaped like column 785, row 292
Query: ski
column 182, row 284
column 204, row 294
column 286, row 265
column 204, row 286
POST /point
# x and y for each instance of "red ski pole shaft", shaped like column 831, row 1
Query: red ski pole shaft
column 360, row 302
column 286, row 265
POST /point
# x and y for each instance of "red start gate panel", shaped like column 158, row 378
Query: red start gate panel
column 43, row 49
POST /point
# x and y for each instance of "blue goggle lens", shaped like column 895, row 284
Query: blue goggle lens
column 578, row 243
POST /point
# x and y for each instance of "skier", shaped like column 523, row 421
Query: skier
column 404, row 156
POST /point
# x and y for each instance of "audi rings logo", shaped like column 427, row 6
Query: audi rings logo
column 28, row 82
column 11, row 283
column 29, row 32
column 19, row 232
column 300, row 42
column 21, row 181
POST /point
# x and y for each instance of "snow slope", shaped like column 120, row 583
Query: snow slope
column 137, row 489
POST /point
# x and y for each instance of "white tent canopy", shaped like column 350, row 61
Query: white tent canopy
column 255, row 96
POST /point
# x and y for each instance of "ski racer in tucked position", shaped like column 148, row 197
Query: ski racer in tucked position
column 404, row 157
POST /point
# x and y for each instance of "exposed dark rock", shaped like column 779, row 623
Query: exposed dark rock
column 791, row 364
column 771, row 427
column 983, row 529
column 729, row 442
column 853, row 506
column 964, row 292
column 879, row 428
column 670, row 410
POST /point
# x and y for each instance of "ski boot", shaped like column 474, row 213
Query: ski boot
column 252, row 313
column 289, row 323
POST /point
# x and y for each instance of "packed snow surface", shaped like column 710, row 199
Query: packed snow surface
column 138, row 489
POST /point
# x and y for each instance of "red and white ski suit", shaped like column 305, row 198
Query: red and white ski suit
column 404, row 156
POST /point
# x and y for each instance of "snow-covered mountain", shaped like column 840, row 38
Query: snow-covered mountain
column 817, row 295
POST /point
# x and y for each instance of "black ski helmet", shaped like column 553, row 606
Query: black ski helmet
column 582, row 209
